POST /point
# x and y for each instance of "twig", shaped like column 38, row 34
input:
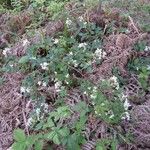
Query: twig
column 133, row 24
column 25, row 121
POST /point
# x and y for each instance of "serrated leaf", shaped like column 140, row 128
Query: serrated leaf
column 19, row 135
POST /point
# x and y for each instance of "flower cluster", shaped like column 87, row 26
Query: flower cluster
column 68, row 22
column 55, row 41
column 126, row 116
column 147, row 48
column 44, row 66
column 94, row 93
column 75, row 63
column 5, row 51
column 81, row 19
column 82, row 45
column 25, row 90
column 99, row 53
column 126, row 104
column 58, row 85
column 40, row 83
column 114, row 83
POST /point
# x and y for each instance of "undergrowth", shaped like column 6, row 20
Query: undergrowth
column 57, row 65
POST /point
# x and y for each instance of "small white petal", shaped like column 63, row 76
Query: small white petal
column 25, row 42
column 44, row 84
column 56, row 41
column 68, row 22
column 22, row 89
column 28, row 90
column 39, row 83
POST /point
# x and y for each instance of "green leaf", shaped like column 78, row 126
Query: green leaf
column 72, row 142
column 24, row 60
column 19, row 146
column 50, row 135
column 64, row 132
column 38, row 145
column 114, row 145
column 19, row 135
column 56, row 139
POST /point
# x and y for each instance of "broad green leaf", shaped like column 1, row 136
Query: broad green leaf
column 51, row 135
column 19, row 146
column 38, row 145
column 64, row 132
column 56, row 139
column 19, row 135
column 72, row 142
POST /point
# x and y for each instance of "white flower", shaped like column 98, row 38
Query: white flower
column 39, row 83
column 11, row 65
column 100, row 53
column 82, row 45
column 93, row 103
column 89, row 88
column 93, row 96
column 75, row 63
column 114, row 82
column 25, row 42
column 127, row 31
column 45, row 107
column 5, row 51
column 147, row 48
column 126, row 116
column 67, row 82
column 68, row 22
column 126, row 104
column 123, row 96
column 71, row 53
column 28, row 90
column 44, row 65
column 94, row 88
column 44, row 84
column 29, row 121
column 57, row 86
column 85, row 92
column 67, row 76
column 22, row 89
column 81, row 19
column 56, row 41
